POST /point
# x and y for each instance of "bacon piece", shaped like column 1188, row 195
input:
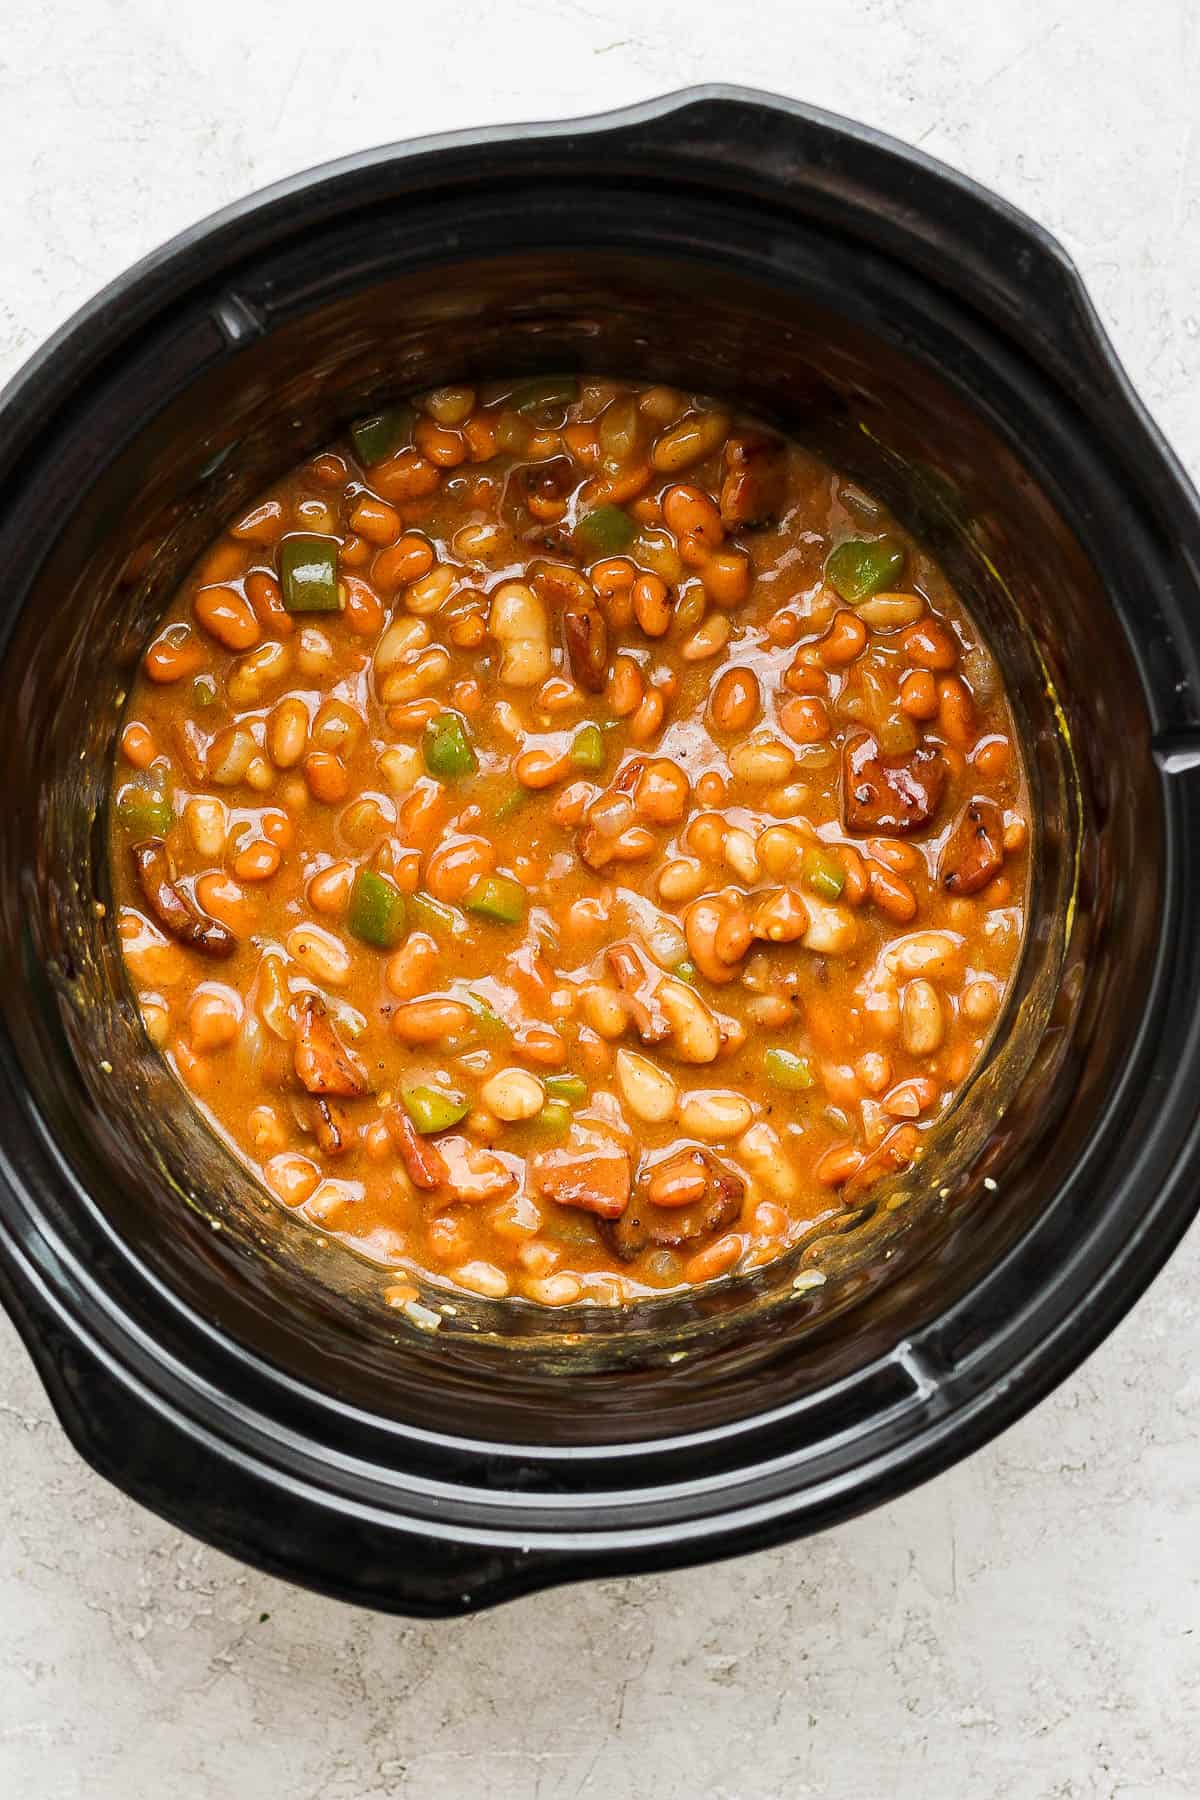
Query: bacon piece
column 332, row 1126
column 889, row 795
column 175, row 910
column 755, row 484
column 627, row 779
column 638, row 986
column 323, row 1063
column 685, row 1196
column 586, row 637
column 595, row 1181
column 585, row 632
column 192, row 746
column 424, row 1161
column 974, row 851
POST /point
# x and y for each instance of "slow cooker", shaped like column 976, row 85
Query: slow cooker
column 238, row 1372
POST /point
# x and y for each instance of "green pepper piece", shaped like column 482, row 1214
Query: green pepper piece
column 685, row 970
column 859, row 567
column 490, row 1023
column 204, row 691
column 496, row 897
column 145, row 807
column 431, row 1109
column 382, row 434
column 377, row 912
column 569, row 1088
column 513, row 433
column 308, row 573
column 788, row 1070
column 511, row 803
column 547, row 390
column 587, row 751
column 447, row 748
column 555, row 1118
column 433, row 915
column 605, row 531
column 824, row 873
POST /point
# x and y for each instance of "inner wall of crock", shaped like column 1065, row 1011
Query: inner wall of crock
column 128, row 530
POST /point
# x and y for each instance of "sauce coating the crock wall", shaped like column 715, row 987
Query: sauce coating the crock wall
column 569, row 841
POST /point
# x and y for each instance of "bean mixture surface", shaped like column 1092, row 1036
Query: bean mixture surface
column 569, row 840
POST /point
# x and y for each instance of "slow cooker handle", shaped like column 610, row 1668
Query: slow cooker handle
column 898, row 200
column 175, row 1470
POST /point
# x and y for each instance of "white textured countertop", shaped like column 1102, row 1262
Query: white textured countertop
column 1024, row 1627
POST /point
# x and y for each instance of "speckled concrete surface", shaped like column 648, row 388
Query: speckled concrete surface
column 1024, row 1627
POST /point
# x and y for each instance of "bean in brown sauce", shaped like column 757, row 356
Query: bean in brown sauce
column 616, row 864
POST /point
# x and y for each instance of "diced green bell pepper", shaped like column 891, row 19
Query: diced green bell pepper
column 496, row 897
column 308, row 573
column 546, row 390
column 204, row 691
column 377, row 914
column 685, row 970
column 572, row 1089
column 447, row 748
column 587, row 751
column 512, row 433
column 554, row 1118
column 605, row 531
column 824, row 873
column 785, row 1069
column 859, row 567
column 511, row 803
column 434, row 915
column 490, row 1023
column 431, row 1109
column 383, row 434
column 145, row 808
